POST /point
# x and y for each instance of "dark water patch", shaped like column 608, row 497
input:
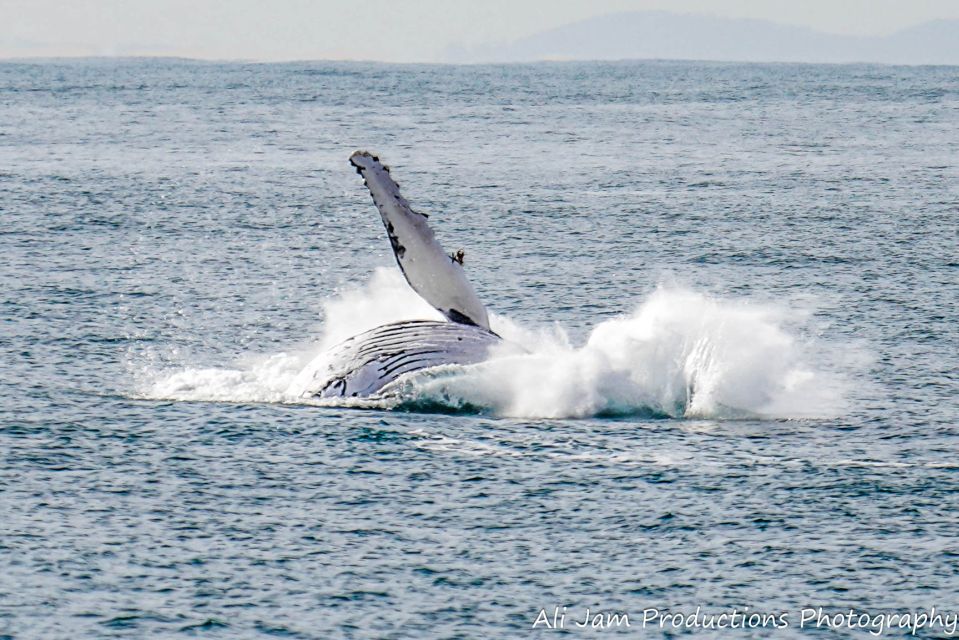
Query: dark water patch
column 441, row 406
column 210, row 624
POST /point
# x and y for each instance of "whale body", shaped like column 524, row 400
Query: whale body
column 363, row 365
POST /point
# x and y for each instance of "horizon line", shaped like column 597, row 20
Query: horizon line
column 544, row 61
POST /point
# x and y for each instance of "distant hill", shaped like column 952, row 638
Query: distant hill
column 663, row 35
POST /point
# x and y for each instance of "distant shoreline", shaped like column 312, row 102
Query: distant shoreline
column 65, row 60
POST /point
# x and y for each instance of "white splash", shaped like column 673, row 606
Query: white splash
column 680, row 353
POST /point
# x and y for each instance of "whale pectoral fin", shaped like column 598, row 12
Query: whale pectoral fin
column 428, row 269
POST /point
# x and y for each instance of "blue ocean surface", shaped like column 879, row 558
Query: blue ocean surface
column 738, row 286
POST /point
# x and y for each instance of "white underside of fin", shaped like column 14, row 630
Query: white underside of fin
column 426, row 266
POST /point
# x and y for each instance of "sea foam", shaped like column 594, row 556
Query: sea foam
column 679, row 353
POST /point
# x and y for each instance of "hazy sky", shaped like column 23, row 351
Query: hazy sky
column 392, row 30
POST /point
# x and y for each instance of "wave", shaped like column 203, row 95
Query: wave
column 679, row 354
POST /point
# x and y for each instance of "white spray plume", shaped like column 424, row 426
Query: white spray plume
column 385, row 299
column 680, row 354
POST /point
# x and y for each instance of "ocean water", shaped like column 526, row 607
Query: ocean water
column 738, row 285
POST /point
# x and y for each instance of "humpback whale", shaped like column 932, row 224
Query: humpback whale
column 366, row 363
